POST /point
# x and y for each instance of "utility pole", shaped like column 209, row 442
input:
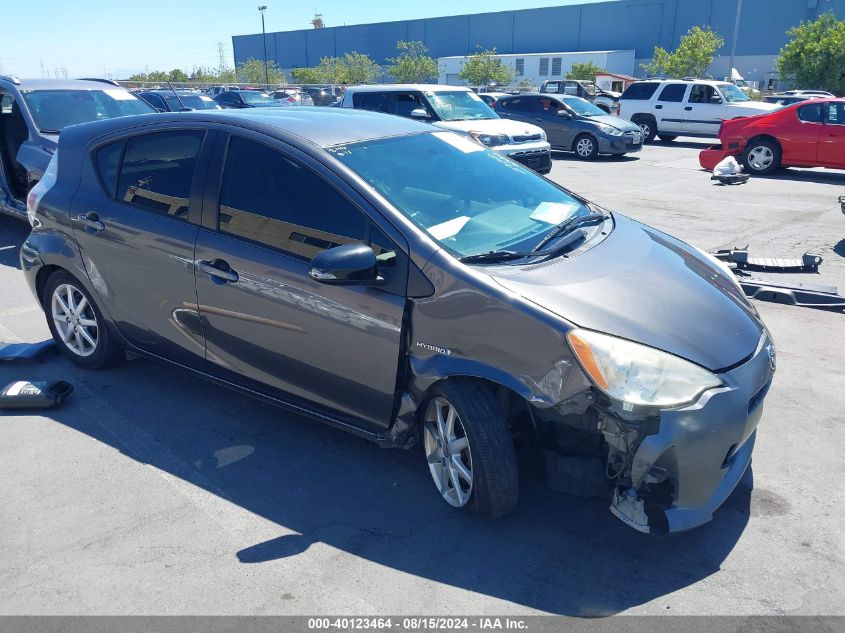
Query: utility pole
column 733, row 42
column 222, row 55
column 261, row 10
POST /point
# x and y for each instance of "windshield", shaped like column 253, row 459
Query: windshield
column 459, row 106
column 195, row 102
column 733, row 94
column 258, row 98
column 54, row 110
column 470, row 199
column 583, row 107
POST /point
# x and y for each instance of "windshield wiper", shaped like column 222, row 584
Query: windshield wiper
column 494, row 256
column 568, row 225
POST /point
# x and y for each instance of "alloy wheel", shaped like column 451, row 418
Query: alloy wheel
column 447, row 452
column 760, row 158
column 584, row 147
column 646, row 129
column 75, row 320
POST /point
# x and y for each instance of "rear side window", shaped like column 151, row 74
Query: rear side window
column 158, row 169
column 811, row 113
column 377, row 101
column 673, row 93
column 516, row 105
column 270, row 199
column 641, row 90
column 108, row 165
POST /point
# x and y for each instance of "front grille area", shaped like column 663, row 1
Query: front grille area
column 538, row 160
column 526, row 138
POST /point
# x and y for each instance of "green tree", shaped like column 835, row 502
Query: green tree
column 177, row 74
column 814, row 57
column 585, row 71
column 484, row 68
column 692, row 58
column 252, row 71
column 307, row 75
column 360, row 69
column 412, row 65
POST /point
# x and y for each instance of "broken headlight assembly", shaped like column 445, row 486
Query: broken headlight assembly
column 490, row 140
column 638, row 375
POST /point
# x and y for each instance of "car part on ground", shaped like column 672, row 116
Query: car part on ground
column 729, row 172
column 29, row 351
column 802, row 295
column 809, row 262
column 430, row 289
column 23, row 394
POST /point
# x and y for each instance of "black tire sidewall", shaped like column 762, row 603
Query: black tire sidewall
column 107, row 351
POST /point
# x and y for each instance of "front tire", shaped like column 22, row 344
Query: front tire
column 469, row 449
column 76, row 323
column 648, row 126
column 586, row 147
column 762, row 157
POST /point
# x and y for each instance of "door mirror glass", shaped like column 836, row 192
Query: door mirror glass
column 564, row 113
column 716, row 99
column 419, row 113
column 346, row 265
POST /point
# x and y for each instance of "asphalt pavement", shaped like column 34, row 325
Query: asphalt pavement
column 154, row 492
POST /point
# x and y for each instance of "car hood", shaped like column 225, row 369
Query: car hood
column 754, row 107
column 645, row 286
column 613, row 121
column 491, row 126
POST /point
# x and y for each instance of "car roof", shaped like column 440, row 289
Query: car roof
column 324, row 127
column 64, row 84
column 402, row 87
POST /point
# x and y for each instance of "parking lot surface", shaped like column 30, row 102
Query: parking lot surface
column 153, row 492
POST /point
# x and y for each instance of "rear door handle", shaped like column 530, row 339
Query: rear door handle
column 91, row 221
column 218, row 269
column 688, row 108
column 658, row 107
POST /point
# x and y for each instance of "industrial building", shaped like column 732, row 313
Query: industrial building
column 637, row 25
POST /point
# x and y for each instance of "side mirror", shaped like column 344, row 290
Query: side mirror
column 419, row 113
column 564, row 113
column 346, row 265
column 716, row 99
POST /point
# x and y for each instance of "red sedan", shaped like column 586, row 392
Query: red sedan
column 804, row 134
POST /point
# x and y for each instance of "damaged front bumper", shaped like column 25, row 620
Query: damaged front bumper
column 677, row 477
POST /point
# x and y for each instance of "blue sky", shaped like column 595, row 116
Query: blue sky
column 118, row 38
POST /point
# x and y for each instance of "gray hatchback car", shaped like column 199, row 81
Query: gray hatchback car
column 409, row 285
column 573, row 124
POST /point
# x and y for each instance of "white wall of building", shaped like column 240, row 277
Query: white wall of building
column 538, row 67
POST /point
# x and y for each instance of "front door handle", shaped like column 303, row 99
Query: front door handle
column 218, row 269
column 91, row 221
column 658, row 107
column 539, row 120
column 688, row 108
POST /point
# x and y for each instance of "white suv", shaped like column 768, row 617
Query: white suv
column 461, row 110
column 674, row 107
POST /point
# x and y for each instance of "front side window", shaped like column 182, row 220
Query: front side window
column 810, row 113
column 405, row 103
column 835, row 114
column 468, row 198
column 459, row 106
column 548, row 105
column 54, row 110
column 702, row 93
column 583, row 107
column 270, row 199
column 673, row 93
column 158, row 170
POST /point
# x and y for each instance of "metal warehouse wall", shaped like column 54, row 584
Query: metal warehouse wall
column 620, row 24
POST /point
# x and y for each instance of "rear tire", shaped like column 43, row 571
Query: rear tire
column 77, row 324
column 586, row 147
column 472, row 458
column 648, row 126
column 762, row 157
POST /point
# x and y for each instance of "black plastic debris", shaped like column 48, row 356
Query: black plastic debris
column 809, row 262
column 18, row 351
column 842, row 203
column 803, row 295
column 23, row 394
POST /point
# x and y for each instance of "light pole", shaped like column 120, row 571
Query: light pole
column 261, row 10
column 733, row 42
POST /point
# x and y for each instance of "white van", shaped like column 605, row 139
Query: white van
column 685, row 107
column 458, row 109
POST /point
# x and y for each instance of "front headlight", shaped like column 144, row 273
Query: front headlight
column 609, row 129
column 490, row 140
column 637, row 374
column 542, row 135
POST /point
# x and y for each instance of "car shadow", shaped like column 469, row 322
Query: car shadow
column 13, row 233
column 319, row 485
column 839, row 248
column 570, row 156
column 810, row 175
column 699, row 145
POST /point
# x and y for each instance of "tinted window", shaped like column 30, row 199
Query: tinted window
column 377, row 101
column 158, row 169
column 701, row 93
column 641, row 90
column 673, row 92
column 268, row 198
column 108, row 162
column 520, row 104
column 54, row 110
column 811, row 113
column 405, row 103
column 836, row 114
column 154, row 100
